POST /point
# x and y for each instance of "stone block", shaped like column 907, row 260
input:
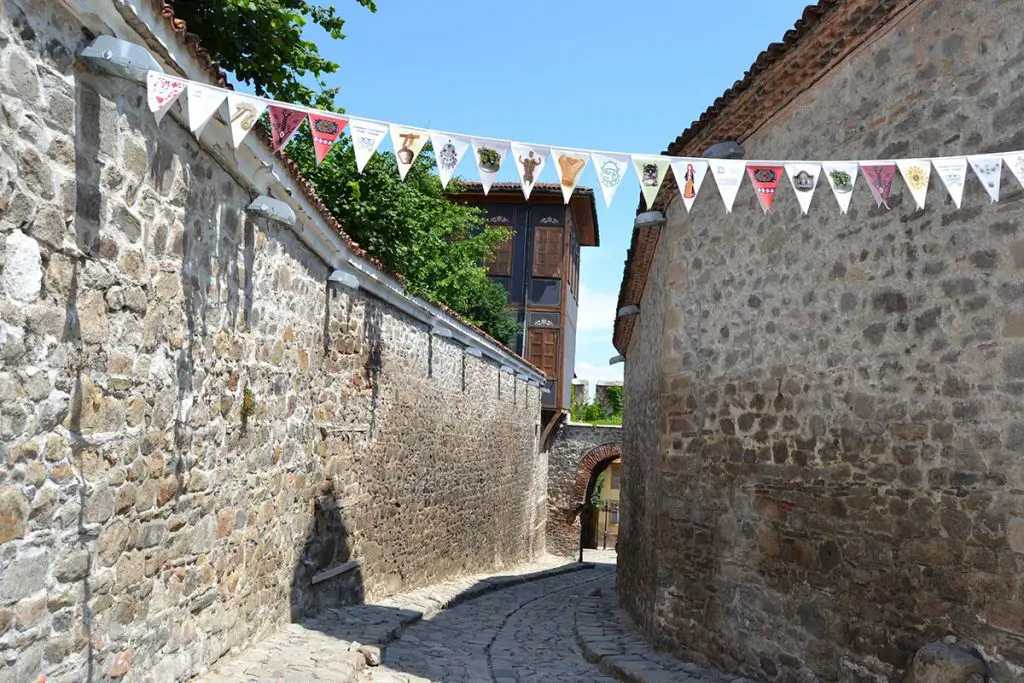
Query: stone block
column 13, row 515
column 25, row 575
column 945, row 663
column 23, row 268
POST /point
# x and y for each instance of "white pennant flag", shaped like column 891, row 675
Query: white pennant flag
column 728, row 175
column 651, row 171
column 448, row 152
column 916, row 173
column 953, row 173
column 203, row 101
column 804, row 178
column 366, row 137
column 989, row 169
column 530, row 161
column 407, row 143
column 611, row 169
column 1015, row 161
column 490, row 157
column 841, row 178
column 569, row 166
column 689, row 175
column 162, row 91
column 243, row 113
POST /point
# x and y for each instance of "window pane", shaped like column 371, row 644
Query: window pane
column 546, row 292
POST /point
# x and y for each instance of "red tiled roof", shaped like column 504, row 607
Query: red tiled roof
column 165, row 8
column 826, row 33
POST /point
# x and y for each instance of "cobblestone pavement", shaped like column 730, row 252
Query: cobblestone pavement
column 525, row 633
column 610, row 639
column 335, row 646
column 549, row 621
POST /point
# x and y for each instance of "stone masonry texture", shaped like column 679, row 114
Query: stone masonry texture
column 192, row 424
column 575, row 453
column 824, row 422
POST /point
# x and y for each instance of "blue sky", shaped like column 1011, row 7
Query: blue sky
column 599, row 74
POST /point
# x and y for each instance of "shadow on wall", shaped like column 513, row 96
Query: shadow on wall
column 325, row 575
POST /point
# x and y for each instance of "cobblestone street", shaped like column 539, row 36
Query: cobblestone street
column 547, row 621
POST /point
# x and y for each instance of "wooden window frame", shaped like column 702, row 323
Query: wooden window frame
column 500, row 264
column 545, row 263
column 536, row 343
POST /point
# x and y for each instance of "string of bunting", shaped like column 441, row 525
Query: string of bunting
column 490, row 155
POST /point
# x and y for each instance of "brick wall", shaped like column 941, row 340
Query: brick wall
column 147, row 522
column 839, row 476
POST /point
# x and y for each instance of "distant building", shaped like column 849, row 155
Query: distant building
column 540, row 269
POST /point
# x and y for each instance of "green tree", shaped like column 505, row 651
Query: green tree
column 261, row 43
column 437, row 245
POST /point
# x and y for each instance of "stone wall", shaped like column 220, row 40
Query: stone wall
column 567, row 461
column 193, row 425
column 605, row 398
column 644, row 391
column 840, row 474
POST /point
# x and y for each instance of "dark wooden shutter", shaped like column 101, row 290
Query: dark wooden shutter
column 501, row 264
column 544, row 350
column 547, row 252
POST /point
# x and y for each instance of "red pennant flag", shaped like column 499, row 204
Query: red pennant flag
column 326, row 131
column 283, row 124
column 880, row 177
column 766, row 180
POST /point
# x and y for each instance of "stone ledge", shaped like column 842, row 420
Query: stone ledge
column 335, row 571
column 610, row 641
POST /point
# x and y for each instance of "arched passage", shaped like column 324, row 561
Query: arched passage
column 592, row 464
column 573, row 462
column 591, row 467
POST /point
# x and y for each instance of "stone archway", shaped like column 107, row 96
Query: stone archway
column 594, row 461
column 576, row 452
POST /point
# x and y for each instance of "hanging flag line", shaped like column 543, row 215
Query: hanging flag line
column 530, row 160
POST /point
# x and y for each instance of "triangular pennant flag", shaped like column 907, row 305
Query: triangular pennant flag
column 916, row 173
column 689, row 175
column 243, row 113
column 203, row 101
column 841, row 178
column 989, row 169
column 953, row 173
column 283, row 124
column 366, row 137
column 766, row 180
column 530, row 161
column 407, row 143
column 651, row 171
column 162, row 91
column 569, row 166
column 448, row 152
column 804, row 178
column 1015, row 161
column 325, row 130
column 490, row 155
column 611, row 169
column 728, row 175
column 879, row 177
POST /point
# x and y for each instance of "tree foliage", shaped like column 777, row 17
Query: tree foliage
column 261, row 43
column 437, row 245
